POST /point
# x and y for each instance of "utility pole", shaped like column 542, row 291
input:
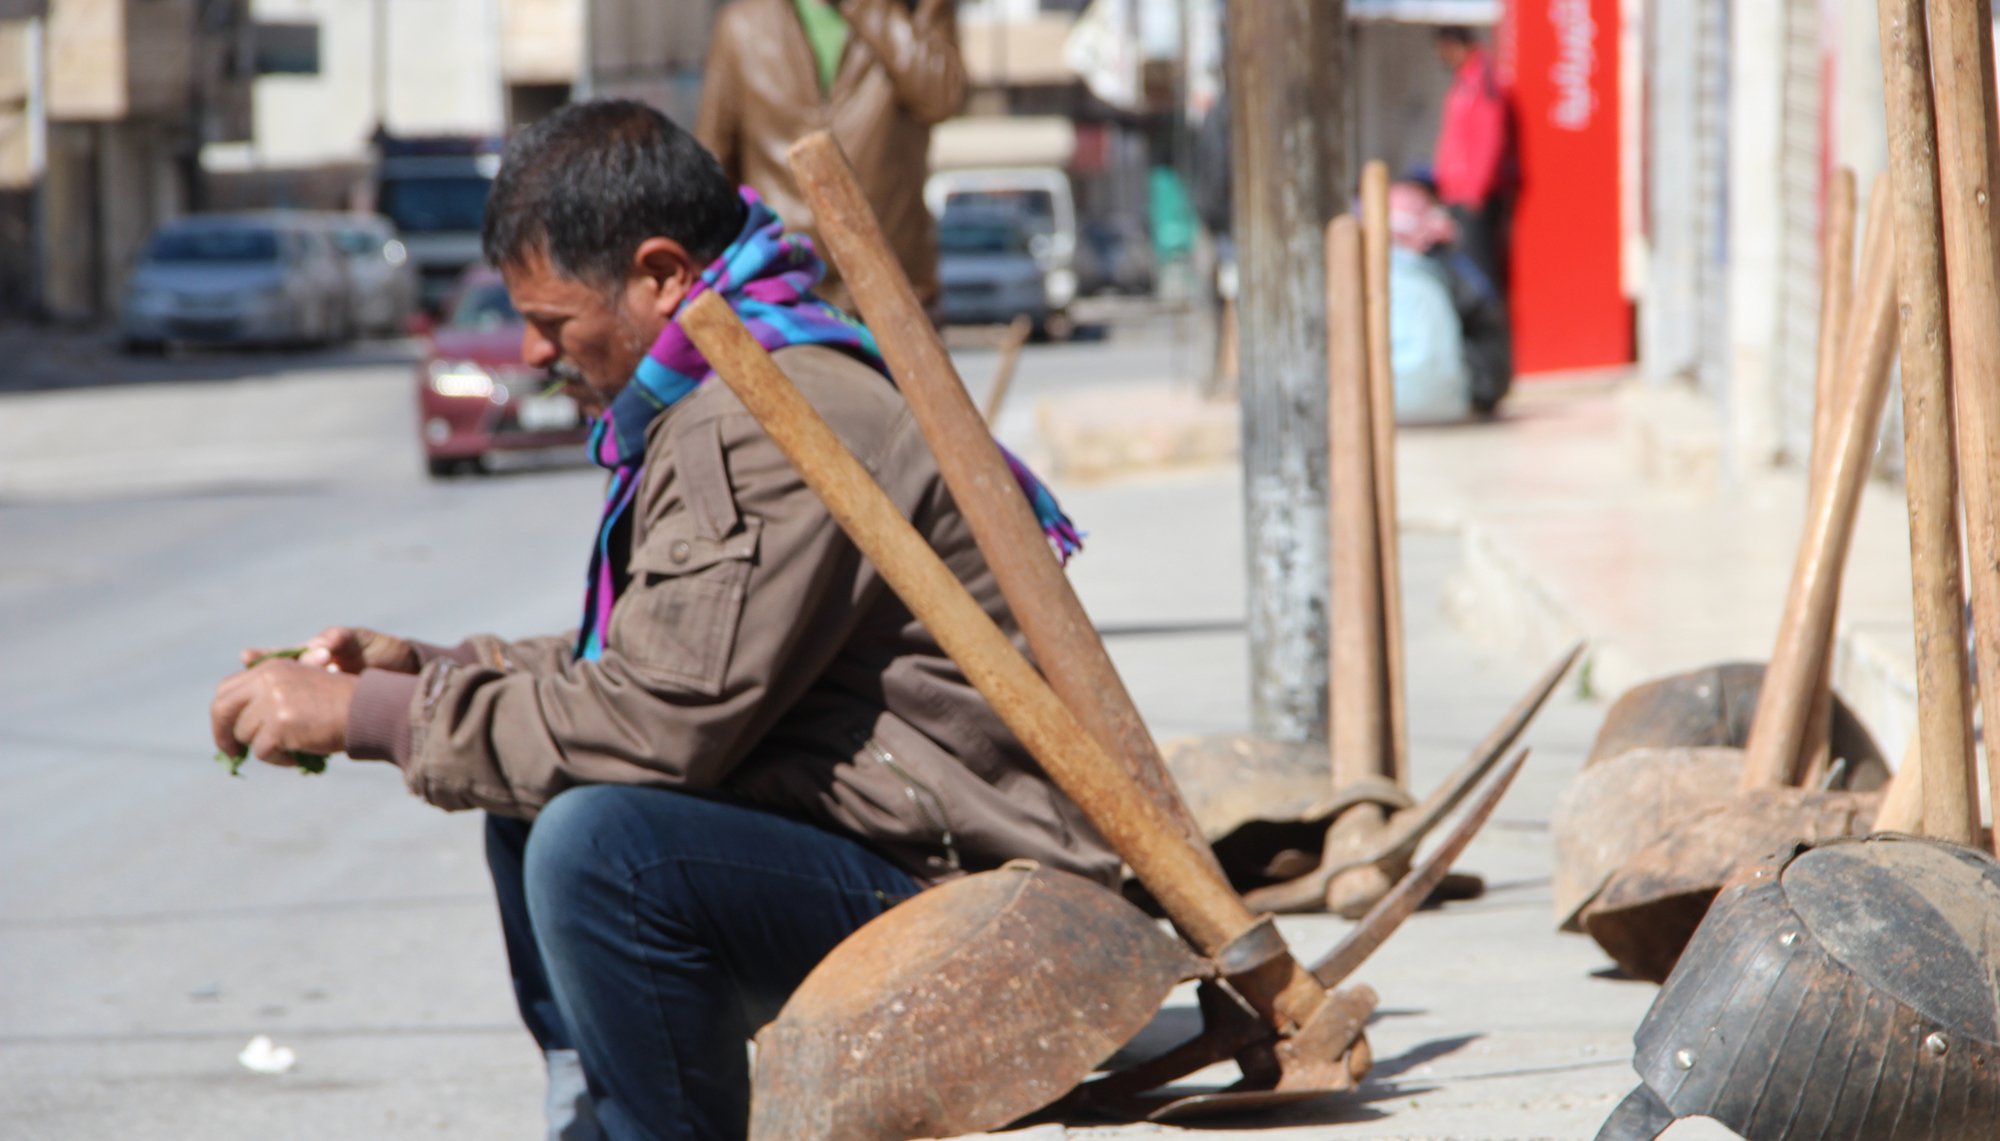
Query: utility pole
column 1289, row 137
column 38, row 163
column 378, row 27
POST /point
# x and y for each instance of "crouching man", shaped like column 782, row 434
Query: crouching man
column 749, row 748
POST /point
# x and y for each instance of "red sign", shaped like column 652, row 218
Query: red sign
column 1559, row 62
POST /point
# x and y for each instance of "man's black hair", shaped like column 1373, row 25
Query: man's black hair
column 1458, row 34
column 587, row 184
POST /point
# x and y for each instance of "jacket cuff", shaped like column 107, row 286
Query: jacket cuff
column 378, row 720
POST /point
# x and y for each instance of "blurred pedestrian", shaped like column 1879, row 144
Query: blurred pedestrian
column 1214, row 202
column 1449, row 341
column 877, row 73
column 1474, row 161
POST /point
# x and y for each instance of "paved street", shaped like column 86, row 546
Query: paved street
column 156, row 915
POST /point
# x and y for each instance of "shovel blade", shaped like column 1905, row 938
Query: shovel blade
column 1619, row 805
column 966, row 1008
column 1649, row 910
column 1713, row 706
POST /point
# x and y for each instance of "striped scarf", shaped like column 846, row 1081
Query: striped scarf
column 767, row 277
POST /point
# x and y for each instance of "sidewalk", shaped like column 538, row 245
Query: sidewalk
column 1595, row 509
column 342, row 919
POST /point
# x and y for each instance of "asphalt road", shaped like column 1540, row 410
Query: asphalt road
column 155, row 914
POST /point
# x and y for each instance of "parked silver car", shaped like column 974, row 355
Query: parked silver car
column 254, row 278
column 382, row 280
column 989, row 274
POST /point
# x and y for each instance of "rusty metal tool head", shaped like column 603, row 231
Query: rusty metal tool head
column 1232, row 1032
column 1714, row 706
column 1402, row 831
column 1247, row 950
column 913, row 1027
column 1841, row 990
column 1650, row 908
column 1265, row 806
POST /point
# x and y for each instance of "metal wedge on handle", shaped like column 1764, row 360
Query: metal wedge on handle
column 1332, row 969
column 1404, row 830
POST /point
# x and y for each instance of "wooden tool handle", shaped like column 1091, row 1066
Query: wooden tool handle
column 1962, row 44
column 1931, row 473
column 1355, row 698
column 1836, row 296
column 1003, row 373
column 1903, row 805
column 1805, row 632
column 1382, row 414
column 1189, row 888
column 1060, row 634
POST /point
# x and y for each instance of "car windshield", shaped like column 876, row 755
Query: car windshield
column 484, row 306
column 358, row 243
column 981, row 237
column 210, row 244
column 1039, row 204
column 433, row 205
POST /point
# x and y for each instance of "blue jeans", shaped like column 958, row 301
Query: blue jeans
column 654, row 931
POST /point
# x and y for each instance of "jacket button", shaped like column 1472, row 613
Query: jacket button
column 680, row 551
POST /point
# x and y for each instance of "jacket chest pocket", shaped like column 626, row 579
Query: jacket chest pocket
column 677, row 620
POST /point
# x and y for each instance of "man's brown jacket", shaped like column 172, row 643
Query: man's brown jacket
column 754, row 653
column 900, row 75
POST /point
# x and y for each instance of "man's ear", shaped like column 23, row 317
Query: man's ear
column 663, row 266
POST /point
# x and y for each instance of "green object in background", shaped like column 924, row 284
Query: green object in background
column 310, row 764
column 1174, row 220
column 826, row 31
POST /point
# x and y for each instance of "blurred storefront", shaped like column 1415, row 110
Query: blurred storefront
column 104, row 105
column 1559, row 60
column 1748, row 108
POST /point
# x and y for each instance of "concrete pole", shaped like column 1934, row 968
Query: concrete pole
column 38, row 164
column 1757, row 207
column 1289, row 134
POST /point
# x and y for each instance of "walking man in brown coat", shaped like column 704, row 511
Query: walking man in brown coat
column 877, row 73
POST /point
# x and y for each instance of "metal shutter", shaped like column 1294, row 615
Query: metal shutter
column 1712, row 194
column 1800, row 166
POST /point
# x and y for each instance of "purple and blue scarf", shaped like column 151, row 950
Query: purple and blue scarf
column 767, row 277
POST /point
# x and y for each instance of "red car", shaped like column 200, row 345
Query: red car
column 474, row 396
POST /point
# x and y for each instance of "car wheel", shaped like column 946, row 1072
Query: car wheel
column 1057, row 326
column 452, row 468
column 142, row 347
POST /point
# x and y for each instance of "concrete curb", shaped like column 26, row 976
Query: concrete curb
column 1100, row 435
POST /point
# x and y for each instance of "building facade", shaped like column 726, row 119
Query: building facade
column 104, row 107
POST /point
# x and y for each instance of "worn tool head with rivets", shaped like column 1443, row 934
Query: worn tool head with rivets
column 1846, row 990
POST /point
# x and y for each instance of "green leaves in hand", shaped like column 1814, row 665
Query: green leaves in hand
column 309, row 764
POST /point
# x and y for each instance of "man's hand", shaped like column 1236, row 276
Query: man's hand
column 280, row 708
column 351, row 649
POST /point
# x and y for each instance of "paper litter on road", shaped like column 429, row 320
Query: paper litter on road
column 266, row 1057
